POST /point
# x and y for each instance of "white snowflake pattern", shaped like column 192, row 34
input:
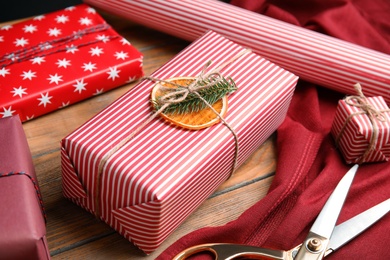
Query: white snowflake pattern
column 54, row 28
column 98, row 92
column 20, row 42
column 96, row 51
column 85, row 21
column 113, row 73
column 63, row 63
column 6, row 27
column 19, row 91
column 121, row 55
column 125, row 42
column 62, row 18
column 29, row 117
column 29, row 28
column 80, row 86
column 54, row 32
column 39, row 17
column 38, row 60
column 130, row 79
column 28, row 75
column 70, row 8
column 7, row 112
column 89, row 66
column 141, row 60
column 64, row 104
column 55, row 78
column 44, row 99
column 72, row 49
column 91, row 10
column 4, row 71
column 103, row 38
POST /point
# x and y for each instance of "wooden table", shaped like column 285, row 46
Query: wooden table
column 73, row 233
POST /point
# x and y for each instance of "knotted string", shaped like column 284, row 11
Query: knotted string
column 179, row 94
column 174, row 96
column 360, row 101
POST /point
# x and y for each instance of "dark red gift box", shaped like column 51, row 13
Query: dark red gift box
column 22, row 217
column 57, row 59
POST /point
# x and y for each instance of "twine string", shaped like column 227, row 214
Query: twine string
column 175, row 95
column 360, row 101
column 53, row 46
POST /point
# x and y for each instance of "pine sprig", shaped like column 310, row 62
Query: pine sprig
column 193, row 103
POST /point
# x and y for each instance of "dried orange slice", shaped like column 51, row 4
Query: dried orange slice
column 194, row 120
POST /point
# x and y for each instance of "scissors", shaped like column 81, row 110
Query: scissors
column 324, row 236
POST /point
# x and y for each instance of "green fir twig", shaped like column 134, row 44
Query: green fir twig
column 193, row 103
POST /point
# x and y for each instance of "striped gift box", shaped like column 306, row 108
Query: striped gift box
column 353, row 131
column 162, row 174
column 314, row 57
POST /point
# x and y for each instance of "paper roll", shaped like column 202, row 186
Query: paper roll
column 314, row 57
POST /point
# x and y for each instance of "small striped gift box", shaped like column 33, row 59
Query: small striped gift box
column 163, row 173
column 361, row 129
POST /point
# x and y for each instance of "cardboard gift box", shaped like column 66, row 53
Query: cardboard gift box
column 314, row 57
column 54, row 60
column 22, row 221
column 150, row 183
column 361, row 128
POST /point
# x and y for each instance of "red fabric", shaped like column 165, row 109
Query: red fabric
column 309, row 166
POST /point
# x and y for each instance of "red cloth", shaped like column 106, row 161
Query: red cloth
column 309, row 166
column 363, row 22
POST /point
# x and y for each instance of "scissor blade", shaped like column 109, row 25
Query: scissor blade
column 326, row 220
column 349, row 229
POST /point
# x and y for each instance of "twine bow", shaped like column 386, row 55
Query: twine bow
column 175, row 96
column 179, row 94
column 373, row 114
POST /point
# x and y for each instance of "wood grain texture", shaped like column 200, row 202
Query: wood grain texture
column 73, row 233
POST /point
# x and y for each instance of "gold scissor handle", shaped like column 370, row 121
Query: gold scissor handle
column 232, row 251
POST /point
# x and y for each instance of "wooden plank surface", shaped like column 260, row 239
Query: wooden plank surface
column 73, row 233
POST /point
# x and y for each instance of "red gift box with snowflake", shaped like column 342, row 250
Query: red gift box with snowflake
column 57, row 59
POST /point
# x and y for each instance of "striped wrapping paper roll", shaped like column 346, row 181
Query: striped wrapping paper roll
column 314, row 57
column 354, row 135
column 155, row 180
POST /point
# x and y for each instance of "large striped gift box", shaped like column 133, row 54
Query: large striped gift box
column 162, row 174
column 314, row 57
column 359, row 137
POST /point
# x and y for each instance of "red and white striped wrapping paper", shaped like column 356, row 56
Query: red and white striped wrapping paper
column 356, row 136
column 57, row 59
column 164, row 172
column 314, row 57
